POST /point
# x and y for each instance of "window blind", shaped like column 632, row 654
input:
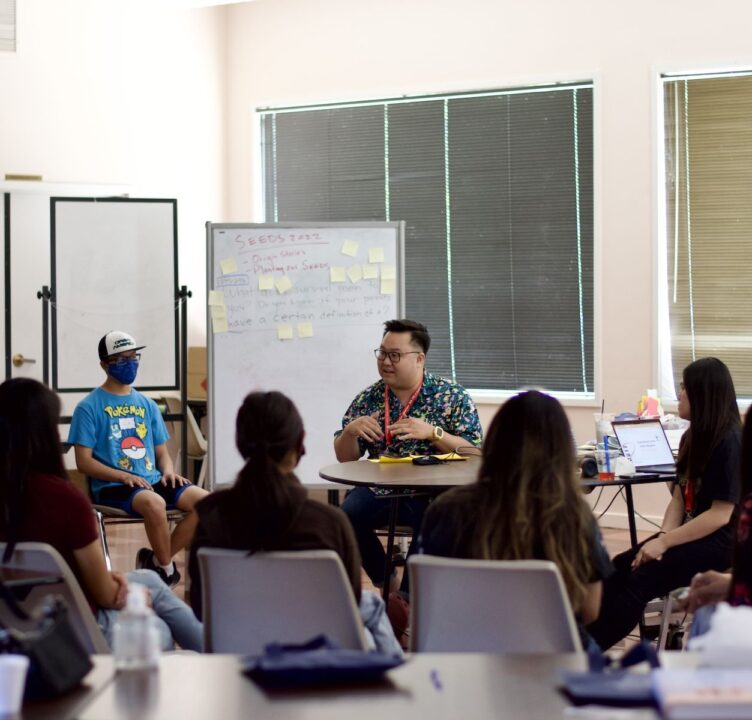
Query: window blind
column 496, row 189
column 8, row 25
column 708, row 164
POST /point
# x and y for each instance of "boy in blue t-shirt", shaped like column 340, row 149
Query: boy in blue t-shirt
column 120, row 437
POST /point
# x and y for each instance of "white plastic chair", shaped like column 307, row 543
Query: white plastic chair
column 250, row 601
column 44, row 558
column 491, row 606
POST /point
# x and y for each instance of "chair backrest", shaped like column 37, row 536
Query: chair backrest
column 492, row 606
column 44, row 558
column 250, row 601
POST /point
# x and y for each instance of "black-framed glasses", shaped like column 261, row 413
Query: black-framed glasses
column 394, row 355
column 123, row 360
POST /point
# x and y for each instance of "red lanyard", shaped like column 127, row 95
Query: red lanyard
column 387, row 413
column 689, row 497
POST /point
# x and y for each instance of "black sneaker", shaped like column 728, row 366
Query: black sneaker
column 169, row 580
column 145, row 559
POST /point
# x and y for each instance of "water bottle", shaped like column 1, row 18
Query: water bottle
column 135, row 639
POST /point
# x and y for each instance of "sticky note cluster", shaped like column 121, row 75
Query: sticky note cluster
column 218, row 311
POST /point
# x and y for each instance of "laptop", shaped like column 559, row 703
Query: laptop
column 645, row 445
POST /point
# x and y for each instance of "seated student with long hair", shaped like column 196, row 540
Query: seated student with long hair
column 39, row 504
column 526, row 503
column 267, row 508
column 697, row 530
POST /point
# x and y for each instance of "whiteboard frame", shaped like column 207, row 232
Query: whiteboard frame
column 174, row 384
column 398, row 226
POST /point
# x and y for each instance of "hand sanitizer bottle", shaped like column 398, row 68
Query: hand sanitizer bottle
column 135, row 638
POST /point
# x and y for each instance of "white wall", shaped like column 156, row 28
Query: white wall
column 111, row 92
column 296, row 51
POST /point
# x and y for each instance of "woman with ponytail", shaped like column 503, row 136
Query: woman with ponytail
column 267, row 508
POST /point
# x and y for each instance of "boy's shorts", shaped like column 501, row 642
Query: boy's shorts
column 121, row 496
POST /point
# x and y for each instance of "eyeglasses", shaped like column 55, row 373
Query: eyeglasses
column 394, row 355
column 124, row 360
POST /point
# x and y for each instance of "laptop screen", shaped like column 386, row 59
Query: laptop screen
column 644, row 442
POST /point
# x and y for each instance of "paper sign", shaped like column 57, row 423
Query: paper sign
column 219, row 325
column 388, row 272
column 387, row 287
column 337, row 273
column 282, row 284
column 349, row 247
column 218, row 311
column 216, row 297
column 370, row 272
column 354, row 273
column 305, row 330
column 266, row 282
column 376, row 255
column 228, row 266
column 284, row 332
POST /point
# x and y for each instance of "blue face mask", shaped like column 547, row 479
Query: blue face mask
column 124, row 372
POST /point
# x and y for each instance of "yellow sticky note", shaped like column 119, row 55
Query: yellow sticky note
column 216, row 297
column 218, row 311
column 370, row 271
column 349, row 247
column 388, row 272
column 228, row 266
column 376, row 255
column 284, row 332
column 219, row 325
column 282, row 284
column 337, row 273
column 305, row 330
column 354, row 273
column 266, row 282
column 387, row 287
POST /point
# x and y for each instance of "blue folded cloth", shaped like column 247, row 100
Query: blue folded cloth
column 316, row 663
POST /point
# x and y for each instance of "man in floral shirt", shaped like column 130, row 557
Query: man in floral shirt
column 407, row 412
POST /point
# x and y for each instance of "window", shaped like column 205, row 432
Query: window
column 496, row 189
column 8, row 25
column 708, row 224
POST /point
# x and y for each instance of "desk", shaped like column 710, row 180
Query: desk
column 401, row 476
column 627, row 484
column 437, row 686
column 71, row 704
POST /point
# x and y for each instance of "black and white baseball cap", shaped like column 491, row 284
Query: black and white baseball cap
column 116, row 342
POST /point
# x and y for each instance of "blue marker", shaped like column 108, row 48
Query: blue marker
column 436, row 680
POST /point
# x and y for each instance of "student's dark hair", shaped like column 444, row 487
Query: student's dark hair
column 268, row 426
column 418, row 332
column 713, row 414
column 532, row 504
column 746, row 459
column 29, row 443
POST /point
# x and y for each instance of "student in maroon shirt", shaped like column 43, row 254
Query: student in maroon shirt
column 38, row 503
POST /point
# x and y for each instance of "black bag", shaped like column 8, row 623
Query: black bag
column 57, row 659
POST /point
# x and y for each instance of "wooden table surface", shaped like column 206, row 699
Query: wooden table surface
column 435, row 686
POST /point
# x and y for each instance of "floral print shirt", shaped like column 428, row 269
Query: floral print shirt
column 439, row 402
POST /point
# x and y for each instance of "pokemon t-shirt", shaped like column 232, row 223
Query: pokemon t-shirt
column 122, row 431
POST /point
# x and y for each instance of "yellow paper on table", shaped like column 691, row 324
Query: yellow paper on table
column 387, row 287
column 376, row 255
column 216, row 297
column 370, row 271
column 354, row 273
column 284, row 332
column 388, row 272
column 282, row 284
column 228, row 266
column 219, row 324
column 387, row 459
column 349, row 247
column 337, row 274
column 305, row 330
column 266, row 282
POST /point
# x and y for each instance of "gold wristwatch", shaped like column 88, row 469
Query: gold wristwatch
column 438, row 433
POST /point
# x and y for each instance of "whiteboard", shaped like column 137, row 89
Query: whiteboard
column 114, row 267
column 321, row 374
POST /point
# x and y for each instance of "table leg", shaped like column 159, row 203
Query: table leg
column 393, row 507
column 631, row 516
column 332, row 497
